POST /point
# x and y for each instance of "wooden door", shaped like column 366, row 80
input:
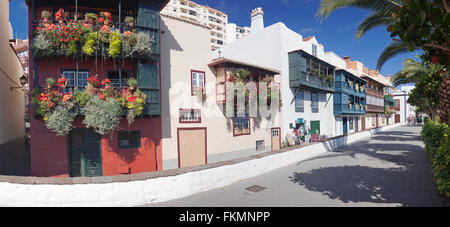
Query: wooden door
column 363, row 123
column 85, row 159
column 192, row 147
column 276, row 139
column 397, row 118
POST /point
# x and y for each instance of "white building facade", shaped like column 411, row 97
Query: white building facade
column 271, row 47
column 403, row 108
column 205, row 15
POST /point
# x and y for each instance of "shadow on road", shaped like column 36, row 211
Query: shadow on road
column 410, row 184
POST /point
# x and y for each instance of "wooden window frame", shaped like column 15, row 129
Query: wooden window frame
column 242, row 134
column 191, row 122
column 129, row 147
column 192, row 83
column 300, row 109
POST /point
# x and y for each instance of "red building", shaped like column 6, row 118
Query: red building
column 83, row 151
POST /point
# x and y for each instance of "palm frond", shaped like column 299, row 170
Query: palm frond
column 392, row 50
column 326, row 7
column 372, row 21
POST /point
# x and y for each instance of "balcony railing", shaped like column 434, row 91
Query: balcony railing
column 349, row 109
column 346, row 88
column 311, row 82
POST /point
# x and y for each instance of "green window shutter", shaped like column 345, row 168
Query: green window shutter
column 148, row 21
column 148, row 79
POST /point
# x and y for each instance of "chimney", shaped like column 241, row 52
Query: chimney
column 388, row 77
column 347, row 58
column 257, row 20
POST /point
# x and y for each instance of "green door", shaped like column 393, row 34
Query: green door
column 85, row 158
column 315, row 127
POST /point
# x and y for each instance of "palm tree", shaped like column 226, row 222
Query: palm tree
column 382, row 11
column 411, row 73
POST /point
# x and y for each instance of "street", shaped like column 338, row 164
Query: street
column 387, row 169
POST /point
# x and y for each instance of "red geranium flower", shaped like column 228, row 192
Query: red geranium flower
column 132, row 99
column 106, row 81
column 101, row 95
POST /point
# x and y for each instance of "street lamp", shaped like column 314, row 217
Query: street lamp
column 23, row 81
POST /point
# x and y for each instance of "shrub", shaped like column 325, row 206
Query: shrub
column 436, row 137
column 60, row 120
column 102, row 115
column 81, row 97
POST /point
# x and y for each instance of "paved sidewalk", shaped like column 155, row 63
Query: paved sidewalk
column 388, row 169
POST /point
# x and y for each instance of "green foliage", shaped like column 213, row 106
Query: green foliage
column 81, row 97
column 89, row 47
column 50, row 82
column 436, row 137
column 61, row 119
column 72, row 48
column 115, row 45
column 424, row 24
column 425, row 96
column 143, row 44
column 102, row 115
column 132, row 82
column 42, row 45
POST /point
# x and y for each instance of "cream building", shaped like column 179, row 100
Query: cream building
column 196, row 130
column 205, row 15
column 12, row 99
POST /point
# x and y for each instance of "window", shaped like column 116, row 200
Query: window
column 113, row 76
column 76, row 80
column 315, row 102
column 350, row 124
column 260, row 145
column 190, row 116
column 241, row 125
column 374, row 119
column 129, row 140
column 220, row 42
column 197, row 81
column 314, row 50
column 299, row 102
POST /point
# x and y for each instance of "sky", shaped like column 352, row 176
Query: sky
column 336, row 33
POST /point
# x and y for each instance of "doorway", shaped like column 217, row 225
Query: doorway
column 85, row 158
column 276, row 139
column 192, row 147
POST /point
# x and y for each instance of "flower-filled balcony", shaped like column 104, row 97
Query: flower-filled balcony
column 255, row 79
column 349, row 104
column 350, row 84
column 310, row 73
column 91, row 33
column 101, row 104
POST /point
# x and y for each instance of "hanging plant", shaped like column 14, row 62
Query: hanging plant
column 115, row 45
column 102, row 115
column 89, row 47
column 134, row 102
column 61, row 119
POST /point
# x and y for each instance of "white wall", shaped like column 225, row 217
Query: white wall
column 155, row 190
column 179, row 55
column 269, row 48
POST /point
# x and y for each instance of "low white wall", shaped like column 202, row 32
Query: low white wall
column 158, row 189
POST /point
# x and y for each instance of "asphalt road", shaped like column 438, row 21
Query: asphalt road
column 388, row 169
